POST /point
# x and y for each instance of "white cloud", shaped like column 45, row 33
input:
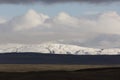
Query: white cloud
column 34, row 27
column 109, row 23
column 65, row 22
column 28, row 21
column 2, row 20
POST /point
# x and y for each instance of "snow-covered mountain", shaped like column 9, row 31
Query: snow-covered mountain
column 54, row 48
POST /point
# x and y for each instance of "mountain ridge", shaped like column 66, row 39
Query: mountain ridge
column 56, row 48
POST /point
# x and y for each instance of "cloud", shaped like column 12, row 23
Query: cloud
column 53, row 1
column 2, row 20
column 88, row 1
column 34, row 27
column 104, row 41
column 28, row 21
column 108, row 23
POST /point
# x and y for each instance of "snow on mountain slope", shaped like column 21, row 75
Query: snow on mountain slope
column 54, row 48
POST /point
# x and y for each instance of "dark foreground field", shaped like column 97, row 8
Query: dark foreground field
column 84, row 74
column 34, row 66
column 58, row 72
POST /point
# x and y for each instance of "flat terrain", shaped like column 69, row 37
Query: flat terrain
column 58, row 72
column 33, row 66
column 48, row 67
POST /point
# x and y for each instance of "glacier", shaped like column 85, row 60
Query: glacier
column 57, row 48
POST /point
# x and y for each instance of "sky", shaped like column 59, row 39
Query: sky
column 89, row 23
column 54, row 9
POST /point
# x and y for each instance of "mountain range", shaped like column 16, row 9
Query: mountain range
column 57, row 48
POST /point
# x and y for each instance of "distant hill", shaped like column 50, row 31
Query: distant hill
column 40, row 58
